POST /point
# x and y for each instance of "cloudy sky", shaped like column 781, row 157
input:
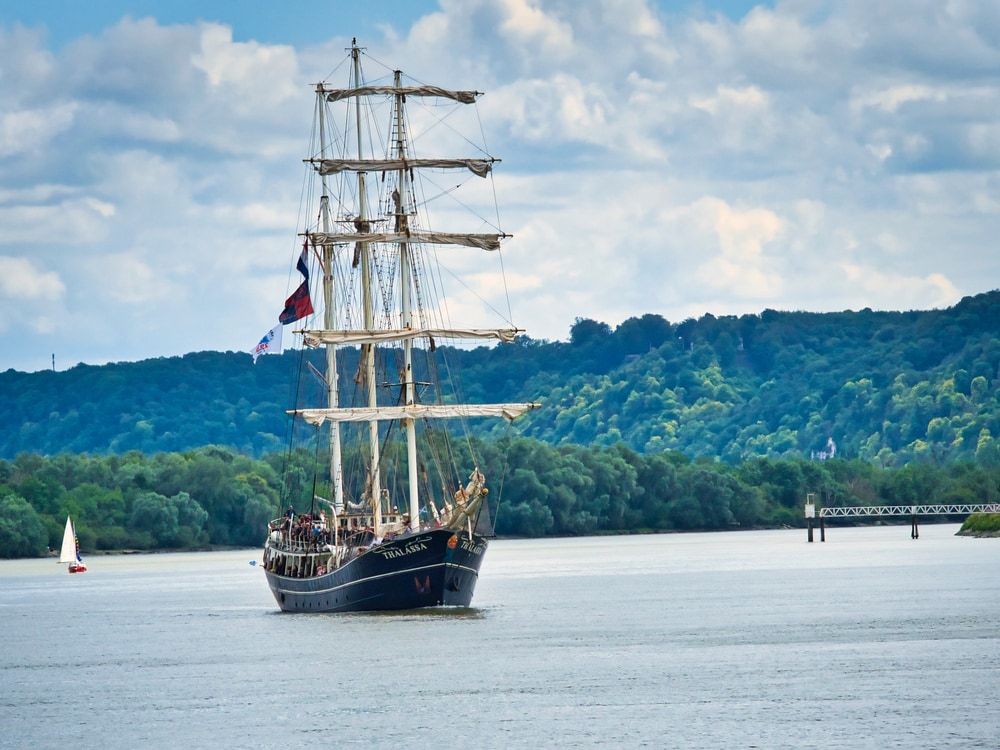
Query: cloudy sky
column 678, row 158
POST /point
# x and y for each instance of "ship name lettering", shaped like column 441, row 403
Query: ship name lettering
column 393, row 552
column 475, row 549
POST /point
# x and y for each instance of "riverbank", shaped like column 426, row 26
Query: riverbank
column 981, row 525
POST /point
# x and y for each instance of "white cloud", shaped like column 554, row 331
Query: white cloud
column 21, row 280
column 125, row 123
column 890, row 99
column 28, row 131
column 128, row 278
column 729, row 101
column 524, row 23
column 911, row 292
column 732, row 259
column 245, row 71
column 45, row 227
column 558, row 109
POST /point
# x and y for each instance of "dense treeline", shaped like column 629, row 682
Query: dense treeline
column 217, row 496
column 888, row 387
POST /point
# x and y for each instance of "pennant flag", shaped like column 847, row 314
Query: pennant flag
column 270, row 344
column 297, row 306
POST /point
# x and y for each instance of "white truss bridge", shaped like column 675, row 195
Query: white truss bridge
column 943, row 509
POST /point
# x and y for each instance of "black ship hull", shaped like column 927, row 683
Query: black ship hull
column 431, row 568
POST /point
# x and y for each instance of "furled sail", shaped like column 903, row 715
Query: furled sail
column 412, row 411
column 482, row 241
column 478, row 167
column 464, row 97
column 349, row 338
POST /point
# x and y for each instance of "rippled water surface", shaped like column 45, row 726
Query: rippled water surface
column 726, row 640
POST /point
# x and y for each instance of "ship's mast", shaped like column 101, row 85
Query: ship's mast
column 405, row 272
column 368, row 305
column 332, row 386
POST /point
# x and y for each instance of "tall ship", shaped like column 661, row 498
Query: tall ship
column 397, row 513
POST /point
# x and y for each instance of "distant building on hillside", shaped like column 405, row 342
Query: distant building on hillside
column 830, row 452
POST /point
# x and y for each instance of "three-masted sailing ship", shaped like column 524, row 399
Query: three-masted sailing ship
column 375, row 536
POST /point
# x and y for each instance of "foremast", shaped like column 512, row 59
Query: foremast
column 329, row 321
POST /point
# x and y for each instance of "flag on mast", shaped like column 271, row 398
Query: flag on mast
column 299, row 305
column 303, row 264
column 270, row 344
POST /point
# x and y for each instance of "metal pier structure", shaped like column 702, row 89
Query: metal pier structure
column 913, row 511
column 942, row 509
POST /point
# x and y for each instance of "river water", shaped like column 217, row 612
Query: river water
column 725, row 640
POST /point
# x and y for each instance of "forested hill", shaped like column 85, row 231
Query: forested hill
column 880, row 386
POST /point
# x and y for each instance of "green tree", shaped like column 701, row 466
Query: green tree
column 21, row 531
column 154, row 519
column 177, row 521
column 530, row 519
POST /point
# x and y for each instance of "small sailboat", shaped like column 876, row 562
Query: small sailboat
column 70, row 552
column 397, row 518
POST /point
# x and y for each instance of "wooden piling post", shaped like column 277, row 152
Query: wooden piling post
column 810, row 514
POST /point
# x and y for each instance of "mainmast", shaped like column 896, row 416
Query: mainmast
column 402, row 227
column 368, row 306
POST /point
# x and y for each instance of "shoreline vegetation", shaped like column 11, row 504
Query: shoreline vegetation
column 217, row 498
column 981, row 525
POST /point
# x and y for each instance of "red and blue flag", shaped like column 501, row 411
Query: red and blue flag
column 299, row 305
